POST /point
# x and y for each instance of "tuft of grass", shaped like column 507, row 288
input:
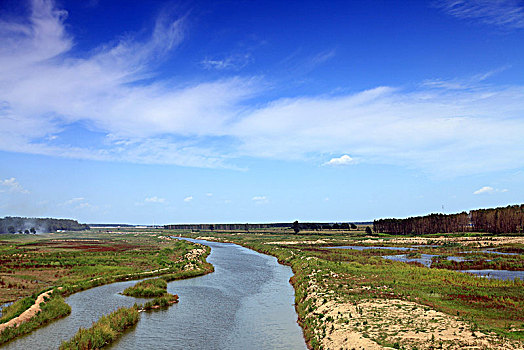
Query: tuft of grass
column 106, row 330
column 160, row 302
column 155, row 287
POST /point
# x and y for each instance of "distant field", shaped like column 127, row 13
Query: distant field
column 29, row 263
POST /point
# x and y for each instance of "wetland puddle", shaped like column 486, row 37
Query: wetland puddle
column 497, row 274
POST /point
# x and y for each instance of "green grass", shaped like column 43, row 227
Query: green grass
column 53, row 308
column 162, row 301
column 16, row 309
column 106, row 330
column 147, row 289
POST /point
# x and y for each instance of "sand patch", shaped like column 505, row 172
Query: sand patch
column 383, row 323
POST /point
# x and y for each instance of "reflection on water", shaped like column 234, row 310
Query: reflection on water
column 247, row 303
column 4, row 306
column 497, row 274
column 489, row 251
column 358, row 247
column 425, row 259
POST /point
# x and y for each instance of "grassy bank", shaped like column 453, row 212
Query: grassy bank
column 51, row 309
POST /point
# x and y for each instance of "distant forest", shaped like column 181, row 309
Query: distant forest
column 309, row 226
column 38, row 225
column 500, row 220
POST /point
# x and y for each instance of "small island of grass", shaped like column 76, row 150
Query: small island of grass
column 150, row 288
column 106, row 330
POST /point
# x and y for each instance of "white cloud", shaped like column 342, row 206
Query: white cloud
column 78, row 203
column 321, row 57
column 488, row 190
column 343, row 160
column 233, row 62
column 74, row 200
column 504, row 13
column 260, row 199
column 13, row 185
column 485, row 189
column 188, row 199
column 209, row 194
column 155, row 199
column 446, row 128
column 442, row 131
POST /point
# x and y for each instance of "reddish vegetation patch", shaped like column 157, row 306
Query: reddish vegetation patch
column 511, row 250
column 508, row 264
column 488, row 302
column 91, row 246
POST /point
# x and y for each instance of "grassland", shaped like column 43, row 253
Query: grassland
column 351, row 298
column 71, row 262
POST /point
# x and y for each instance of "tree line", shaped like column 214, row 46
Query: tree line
column 499, row 220
column 11, row 224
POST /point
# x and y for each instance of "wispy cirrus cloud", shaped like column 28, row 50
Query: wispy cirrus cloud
column 12, row 185
column 503, row 13
column 444, row 127
column 232, row 62
column 105, row 91
column 260, row 199
column 489, row 190
column 154, row 199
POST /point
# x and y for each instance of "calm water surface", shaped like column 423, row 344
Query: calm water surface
column 497, row 274
column 247, row 303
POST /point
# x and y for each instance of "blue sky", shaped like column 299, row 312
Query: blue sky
column 256, row 111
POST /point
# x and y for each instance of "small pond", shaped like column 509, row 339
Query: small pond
column 425, row 259
column 497, row 274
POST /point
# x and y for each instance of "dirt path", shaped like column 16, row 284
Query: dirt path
column 27, row 314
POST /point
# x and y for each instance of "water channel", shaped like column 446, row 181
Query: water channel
column 247, row 303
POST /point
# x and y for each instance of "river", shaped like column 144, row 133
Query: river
column 247, row 303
